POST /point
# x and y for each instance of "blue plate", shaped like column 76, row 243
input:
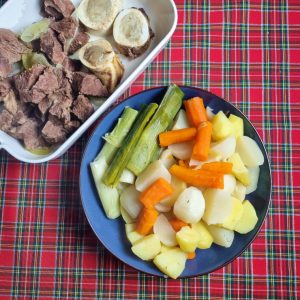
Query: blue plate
column 112, row 232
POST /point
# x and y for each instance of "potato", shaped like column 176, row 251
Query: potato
column 249, row 152
column 127, row 177
column 222, row 237
column 235, row 216
column 129, row 200
column 165, row 248
column 218, row 206
column 229, row 183
column 167, row 158
column 237, row 124
column 182, row 150
column 153, row 172
column 127, row 219
column 171, row 263
column 205, row 237
column 239, row 191
column 248, row 220
column 187, row 239
column 190, row 205
column 222, row 127
column 181, row 120
column 253, row 177
column 224, row 148
column 147, row 247
column 164, row 231
column 131, row 234
column 238, row 169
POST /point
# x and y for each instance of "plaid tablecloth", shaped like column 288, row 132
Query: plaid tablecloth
column 245, row 51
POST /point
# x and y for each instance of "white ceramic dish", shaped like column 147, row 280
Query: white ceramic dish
column 17, row 14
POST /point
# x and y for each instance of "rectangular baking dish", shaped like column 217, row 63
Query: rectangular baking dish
column 17, row 14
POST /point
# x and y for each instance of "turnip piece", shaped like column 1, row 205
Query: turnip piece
column 209, row 113
column 225, row 148
column 253, row 177
column 164, row 231
column 222, row 237
column 127, row 177
column 167, row 158
column 229, row 183
column 129, row 200
column 182, row 150
column 239, row 191
column 181, row 120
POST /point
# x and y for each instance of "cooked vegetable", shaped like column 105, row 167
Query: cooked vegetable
column 99, row 14
column 222, row 127
column 125, row 216
column 153, row 172
column 222, row 236
column 248, row 219
column 177, row 224
column 218, row 167
column 229, row 183
column 238, row 169
column 143, row 153
column 239, row 191
column 146, row 220
column 147, row 247
column 40, row 151
column 131, row 234
column 127, row 177
column 199, row 178
column 181, row 120
column 235, row 216
column 182, row 150
column 177, row 136
column 35, row 30
column 237, row 125
column 157, row 191
column 195, row 110
column 129, row 200
column 171, row 262
column 164, row 231
column 167, row 158
column 212, row 157
column 191, row 255
column 253, row 179
column 132, row 32
column 249, row 152
column 187, row 239
column 161, row 207
column 118, row 164
column 206, row 239
column 225, row 147
column 209, row 112
column 190, row 205
column 31, row 58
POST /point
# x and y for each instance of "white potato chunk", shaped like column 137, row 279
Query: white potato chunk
column 238, row 169
column 248, row 220
column 253, row 178
column 229, row 183
column 167, row 158
column 206, row 238
column 237, row 124
column 222, row 237
column 249, row 152
column 153, row 172
column 182, row 150
column 221, row 126
column 225, row 148
column 239, row 191
column 181, row 120
column 129, row 200
column 147, row 247
column 171, row 263
column 131, row 234
column 235, row 216
column 188, row 239
column 190, row 205
column 164, row 231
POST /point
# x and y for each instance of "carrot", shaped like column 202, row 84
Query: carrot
column 218, row 167
column 195, row 111
column 177, row 224
column 146, row 220
column 191, row 255
column 202, row 141
column 201, row 178
column 183, row 163
column 177, row 136
column 157, row 191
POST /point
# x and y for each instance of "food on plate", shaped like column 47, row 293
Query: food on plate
column 100, row 58
column 178, row 204
column 58, row 9
column 35, row 30
column 31, row 58
column 132, row 32
column 99, row 15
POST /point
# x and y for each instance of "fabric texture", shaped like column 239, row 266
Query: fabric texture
column 245, row 51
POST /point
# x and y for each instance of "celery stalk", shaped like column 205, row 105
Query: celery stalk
column 147, row 146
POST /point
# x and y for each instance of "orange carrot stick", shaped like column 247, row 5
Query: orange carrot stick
column 201, row 178
column 177, row 136
column 177, row 224
column 182, row 163
column 218, row 167
column 202, row 142
column 191, row 255
column 157, row 191
column 195, row 111
column 146, row 220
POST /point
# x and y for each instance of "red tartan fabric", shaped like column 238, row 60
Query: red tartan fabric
column 245, row 51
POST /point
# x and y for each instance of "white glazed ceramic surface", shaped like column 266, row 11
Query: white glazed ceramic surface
column 17, row 14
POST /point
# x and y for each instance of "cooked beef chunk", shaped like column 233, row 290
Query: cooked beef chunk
column 32, row 95
column 11, row 50
column 58, row 9
column 71, row 126
column 61, row 106
column 25, row 80
column 5, row 87
column 10, row 102
column 66, row 27
column 54, row 132
column 6, row 119
column 88, row 84
column 71, row 65
column 82, row 108
column 51, row 46
column 47, row 82
column 44, row 105
column 79, row 41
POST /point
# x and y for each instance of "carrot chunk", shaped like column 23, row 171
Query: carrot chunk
column 177, row 224
column 202, row 141
column 177, row 136
column 195, row 111
column 218, row 167
column 146, row 220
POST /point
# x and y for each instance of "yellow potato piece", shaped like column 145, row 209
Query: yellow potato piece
column 206, row 238
column 171, row 262
column 235, row 216
column 147, row 247
column 238, row 169
column 187, row 239
column 237, row 125
column 248, row 220
column 222, row 127
column 132, row 235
